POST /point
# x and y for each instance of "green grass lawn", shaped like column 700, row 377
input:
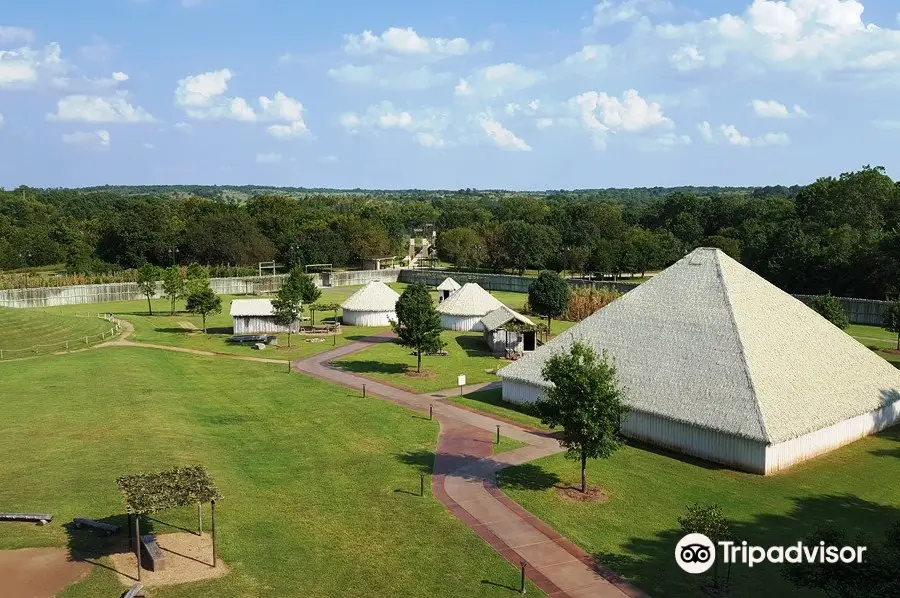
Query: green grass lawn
column 508, row 444
column 320, row 486
column 389, row 362
column 491, row 402
column 46, row 332
column 857, row 488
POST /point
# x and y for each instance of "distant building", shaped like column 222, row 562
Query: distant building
column 504, row 335
column 720, row 364
column 464, row 309
column 373, row 305
column 256, row 316
column 446, row 288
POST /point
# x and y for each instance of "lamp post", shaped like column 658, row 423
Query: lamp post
column 173, row 251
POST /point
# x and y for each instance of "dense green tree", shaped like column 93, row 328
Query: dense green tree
column 710, row 521
column 418, row 324
column 586, row 401
column 831, row 309
column 549, row 295
column 892, row 318
column 461, row 247
column 148, row 274
column 288, row 302
column 203, row 301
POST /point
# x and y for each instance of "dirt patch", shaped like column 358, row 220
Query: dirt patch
column 188, row 558
column 593, row 494
column 891, row 351
column 38, row 572
column 422, row 374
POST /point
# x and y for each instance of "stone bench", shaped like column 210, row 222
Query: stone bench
column 152, row 556
column 39, row 518
column 106, row 528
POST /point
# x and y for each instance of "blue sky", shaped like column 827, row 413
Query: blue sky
column 499, row 94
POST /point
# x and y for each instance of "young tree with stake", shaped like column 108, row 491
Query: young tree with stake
column 173, row 285
column 203, row 301
column 549, row 295
column 287, row 305
column 892, row 319
column 307, row 289
column 418, row 323
column 148, row 274
column 586, row 402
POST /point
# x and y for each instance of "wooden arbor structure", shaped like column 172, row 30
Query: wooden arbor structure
column 179, row 487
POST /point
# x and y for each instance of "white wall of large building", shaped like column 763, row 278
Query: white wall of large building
column 260, row 325
column 368, row 318
column 461, row 323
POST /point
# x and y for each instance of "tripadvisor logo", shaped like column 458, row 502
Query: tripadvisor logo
column 695, row 553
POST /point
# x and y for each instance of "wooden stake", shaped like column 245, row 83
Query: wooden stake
column 137, row 542
column 212, row 507
column 498, row 434
column 522, row 584
column 200, row 518
column 364, row 391
column 431, row 412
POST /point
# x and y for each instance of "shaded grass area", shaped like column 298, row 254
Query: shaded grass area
column 46, row 332
column 491, row 402
column 308, row 472
column 508, row 444
column 389, row 362
column 856, row 488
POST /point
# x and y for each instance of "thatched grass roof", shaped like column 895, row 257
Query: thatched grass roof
column 375, row 296
column 710, row 343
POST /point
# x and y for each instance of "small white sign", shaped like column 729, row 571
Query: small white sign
column 460, row 380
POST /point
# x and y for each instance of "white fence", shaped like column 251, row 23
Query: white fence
column 68, row 344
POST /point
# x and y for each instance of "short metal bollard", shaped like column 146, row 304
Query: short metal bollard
column 364, row 391
column 431, row 412
column 498, row 434
column 522, row 584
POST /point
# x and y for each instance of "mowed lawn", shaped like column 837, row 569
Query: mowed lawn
column 389, row 362
column 44, row 332
column 856, row 488
column 320, row 485
column 184, row 329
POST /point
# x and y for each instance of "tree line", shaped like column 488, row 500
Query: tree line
column 838, row 235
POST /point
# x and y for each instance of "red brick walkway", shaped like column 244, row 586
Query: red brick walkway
column 465, row 482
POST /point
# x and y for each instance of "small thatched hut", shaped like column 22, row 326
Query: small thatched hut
column 508, row 333
column 373, row 305
column 446, row 288
column 464, row 309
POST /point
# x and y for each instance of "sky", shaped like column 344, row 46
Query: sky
column 481, row 94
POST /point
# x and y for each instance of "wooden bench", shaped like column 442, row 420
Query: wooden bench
column 152, row 556
column 135, row 591
column 39, row 518
column 106, row 528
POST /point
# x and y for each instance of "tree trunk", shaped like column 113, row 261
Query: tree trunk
column 548, row 326
column 419, row 361
column 204, row 323
column 149, row 305
column 898, row 340
column 289, row 338
column 172, row 313
column 583, row 467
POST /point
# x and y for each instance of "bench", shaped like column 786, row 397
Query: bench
column 253, row 338
column 135, row 591
column 106, row 528
column 39, row 518
column 152, row 557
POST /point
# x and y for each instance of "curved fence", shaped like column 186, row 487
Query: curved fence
column 68, row 344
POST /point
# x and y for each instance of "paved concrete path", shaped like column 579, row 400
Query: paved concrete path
column 465, row 482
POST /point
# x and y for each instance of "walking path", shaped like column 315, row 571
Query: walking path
column 465, row 482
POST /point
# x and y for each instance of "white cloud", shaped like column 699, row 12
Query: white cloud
column 496, row 80
column 610, row 12
column 500, row 135
column 203, row 97
column 732, row 136
column 819, row 37
column 23, row 67
column 426, row 126
column 96, row 140
column 588, row 61
column 12, row 35
column 687, row 58
column 120, row 76
column 602, row 114
column 396, row 40
column 2, row 120
column 543, row 123
column 270, row 158
column 95, row 109
column 186, row 127
column 773, row 109
column 887, row 125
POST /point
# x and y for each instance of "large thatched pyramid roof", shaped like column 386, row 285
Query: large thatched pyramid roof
column 709, row 343
column 375, row 296
column 469, row 300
